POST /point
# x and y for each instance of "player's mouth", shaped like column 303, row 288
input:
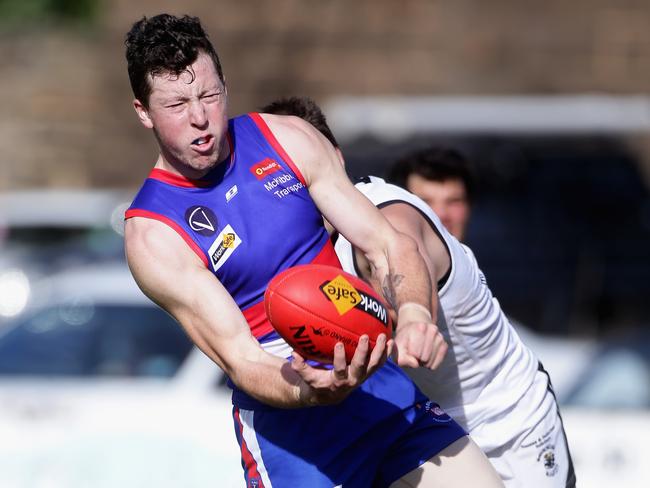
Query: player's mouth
column 203, row 144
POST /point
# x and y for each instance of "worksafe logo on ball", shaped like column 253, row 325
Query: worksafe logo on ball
column 223, row 247
column 345, row 297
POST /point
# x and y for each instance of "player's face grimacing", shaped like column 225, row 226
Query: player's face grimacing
column 189, row 116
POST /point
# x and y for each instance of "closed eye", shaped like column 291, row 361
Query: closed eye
column 212, row 95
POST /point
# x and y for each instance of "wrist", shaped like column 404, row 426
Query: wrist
column 302, row 394
column 413, row 312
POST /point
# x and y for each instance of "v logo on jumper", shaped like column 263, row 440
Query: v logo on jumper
column 201, row 220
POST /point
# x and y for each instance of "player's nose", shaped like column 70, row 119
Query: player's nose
column 198, row 114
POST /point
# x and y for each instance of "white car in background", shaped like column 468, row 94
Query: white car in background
column 100, row 388
column 46, row 230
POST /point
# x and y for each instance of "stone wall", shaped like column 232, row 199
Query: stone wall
column 66, row 118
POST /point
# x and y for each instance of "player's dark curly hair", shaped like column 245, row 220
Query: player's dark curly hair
column 306, row 109
column 433, row 163
column 164, row 44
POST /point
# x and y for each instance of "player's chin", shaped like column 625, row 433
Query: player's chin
column 203, row 164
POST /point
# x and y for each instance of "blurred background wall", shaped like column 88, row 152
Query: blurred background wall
column 562, row 223
column 66, row 116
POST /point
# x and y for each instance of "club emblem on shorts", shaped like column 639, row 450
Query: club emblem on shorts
column 201, row 220
column 547, row 458
column 437, row 413
column 345, row 297
column 223, row 247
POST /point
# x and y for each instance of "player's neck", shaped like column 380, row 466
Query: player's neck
column 187, row 171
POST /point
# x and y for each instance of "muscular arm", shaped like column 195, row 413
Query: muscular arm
column 396, row 266
column 175, row 278
column 409, row 221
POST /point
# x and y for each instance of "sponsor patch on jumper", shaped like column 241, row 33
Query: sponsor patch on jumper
column 223, row 247
column 283, row 185
column 264, row 168
column 345, row 297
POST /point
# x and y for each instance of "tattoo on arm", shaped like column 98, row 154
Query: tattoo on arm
column 388, row 287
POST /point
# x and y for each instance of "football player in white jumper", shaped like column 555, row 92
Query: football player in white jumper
column 489, row 381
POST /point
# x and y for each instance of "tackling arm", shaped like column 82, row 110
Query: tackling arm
column 409, row 221
column 397, row 269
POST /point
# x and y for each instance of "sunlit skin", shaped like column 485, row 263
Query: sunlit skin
column 189, row 118
column 448, row 199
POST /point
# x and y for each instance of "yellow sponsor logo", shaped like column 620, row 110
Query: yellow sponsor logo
column 229, row 240
column 223, row 246
column 341, row 293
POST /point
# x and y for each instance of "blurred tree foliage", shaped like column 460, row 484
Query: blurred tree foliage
column 14, row 12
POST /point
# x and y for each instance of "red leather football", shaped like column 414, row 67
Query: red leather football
column 315, row 306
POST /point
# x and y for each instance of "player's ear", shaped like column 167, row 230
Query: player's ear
column 143, row 114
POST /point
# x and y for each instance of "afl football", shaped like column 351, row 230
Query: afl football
column 315, row 306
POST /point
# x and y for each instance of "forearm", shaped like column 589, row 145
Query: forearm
column 295, row 384
column 223, row 335
column 405, row 281
column 272, row 381
column 171, row 275
column 265, row 377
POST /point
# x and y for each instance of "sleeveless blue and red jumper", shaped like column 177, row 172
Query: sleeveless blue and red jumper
column 249, row 219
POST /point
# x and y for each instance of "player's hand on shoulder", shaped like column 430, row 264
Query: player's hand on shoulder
column 321, row 386
column 419, row 343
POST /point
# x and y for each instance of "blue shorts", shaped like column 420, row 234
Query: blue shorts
column 385, row 429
